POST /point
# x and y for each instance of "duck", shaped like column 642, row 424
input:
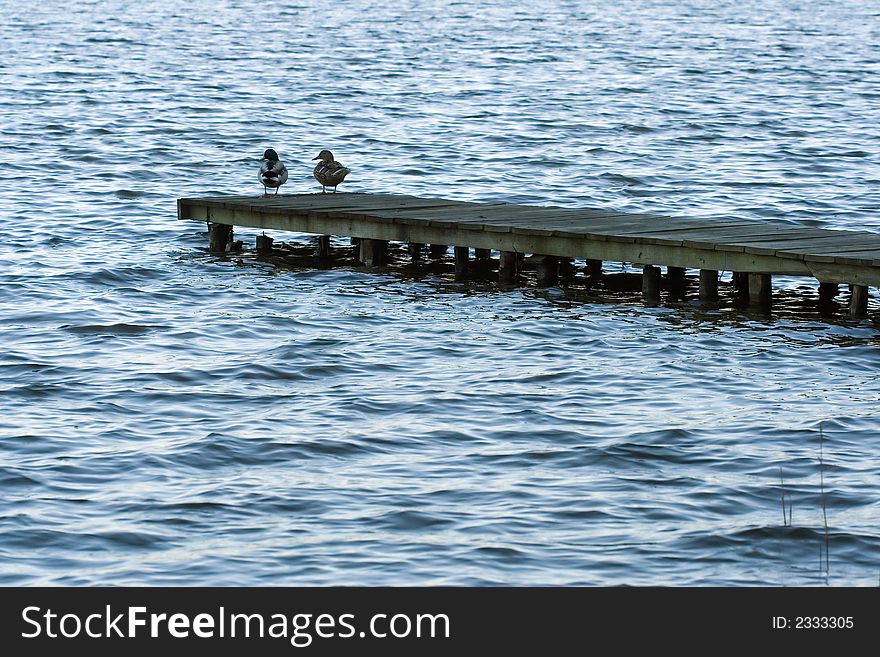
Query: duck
column 273, row 173
column 329, row 172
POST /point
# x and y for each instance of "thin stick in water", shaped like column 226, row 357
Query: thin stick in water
column 822, row 494
column 782, row 486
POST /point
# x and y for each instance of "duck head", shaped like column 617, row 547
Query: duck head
column 324, row 156
column 270, row 155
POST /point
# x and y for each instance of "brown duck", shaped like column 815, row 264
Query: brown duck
column 329, row 172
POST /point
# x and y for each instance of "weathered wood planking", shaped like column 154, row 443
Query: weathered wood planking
column 832, row 256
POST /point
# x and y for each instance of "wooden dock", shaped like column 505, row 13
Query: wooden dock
column 755, row 250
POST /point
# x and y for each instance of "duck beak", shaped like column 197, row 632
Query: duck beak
column 316, row 158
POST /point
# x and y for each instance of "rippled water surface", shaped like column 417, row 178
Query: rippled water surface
column 176, row 417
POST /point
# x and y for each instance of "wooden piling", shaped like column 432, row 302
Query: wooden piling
column 219, row 235
column 547, row 270
column 651, row 285
column 482, row 254
column 323, row 251
column 676, row 282
column 438, row 251
column 709, row 285
column 373, row 253
column 827, row 291
column 264, row 244
column 858, row 301
column 741, row 286
column 415, row 250
column 594, row 268
column 566, row 268
column 462, row 255
column 760, row 290
column 507, row 267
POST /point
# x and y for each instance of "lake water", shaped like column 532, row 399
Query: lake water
column 175, row 417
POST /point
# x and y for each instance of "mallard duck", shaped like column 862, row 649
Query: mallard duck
column 329, row 172
column 272, row 172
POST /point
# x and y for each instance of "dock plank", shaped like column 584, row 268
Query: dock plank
column 672, row 232
column 463, row 209
column 543, row 224
column 819, row 246
column 868, row 257
column 826, row 242
column 727, row 237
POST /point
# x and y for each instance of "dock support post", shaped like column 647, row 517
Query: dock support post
column 566, row 268
column 594, row 267
column 709, row 285
column 264, row 244
column 438, row 251
column 740, row 286
column 373, row 252
column 507, row 267
column 676, row 281
column 219, row 235
column 462, row 253
column 651, row 285
column 760, row 290
column 482, row 254
column 415, row 251
column 547, row 271
column 858, row 301
column 827, row 291
column 323, row 247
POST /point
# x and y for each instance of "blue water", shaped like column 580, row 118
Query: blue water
column 175, row 417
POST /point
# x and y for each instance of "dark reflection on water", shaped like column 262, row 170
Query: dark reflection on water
column 173, row 417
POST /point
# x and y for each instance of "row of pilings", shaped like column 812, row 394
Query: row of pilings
column 753, row 289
